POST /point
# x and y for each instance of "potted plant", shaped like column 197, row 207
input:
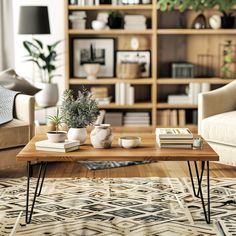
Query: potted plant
column 56, row 136
column 78, row 113
column 115, row 20
column 91, row 67
column 44, row 59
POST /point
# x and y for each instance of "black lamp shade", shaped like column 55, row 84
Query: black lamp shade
column 34, row 20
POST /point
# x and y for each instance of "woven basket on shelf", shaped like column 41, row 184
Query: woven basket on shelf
column 128, row 71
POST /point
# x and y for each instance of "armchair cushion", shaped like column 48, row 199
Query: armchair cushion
column 13, row 134
column 220, row 128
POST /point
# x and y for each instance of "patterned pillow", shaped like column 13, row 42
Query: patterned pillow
column 10, row 80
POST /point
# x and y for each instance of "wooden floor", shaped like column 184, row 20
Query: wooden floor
column 67, row 169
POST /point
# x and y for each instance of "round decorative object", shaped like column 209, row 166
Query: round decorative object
column 215, row 22
column 134, row 43
column 227, row 21
column 98, row 25
column 101, row 136
column 48, row 96
column 129, row 142
column 77, row 134
column 92, row 70
column 56, row 136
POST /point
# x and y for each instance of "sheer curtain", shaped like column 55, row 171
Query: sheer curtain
column 6, row 35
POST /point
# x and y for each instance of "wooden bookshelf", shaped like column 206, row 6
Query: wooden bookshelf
column 167, row 43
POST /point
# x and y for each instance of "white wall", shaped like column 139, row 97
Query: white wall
column 56, row 18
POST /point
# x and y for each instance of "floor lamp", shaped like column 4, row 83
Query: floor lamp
column 33, row 20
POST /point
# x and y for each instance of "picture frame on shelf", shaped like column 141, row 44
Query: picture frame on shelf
column 103, row 53
column 143, row 57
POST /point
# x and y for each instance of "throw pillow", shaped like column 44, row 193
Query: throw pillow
column 10, row 80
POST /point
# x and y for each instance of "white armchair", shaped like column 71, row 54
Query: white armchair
column 217, row 121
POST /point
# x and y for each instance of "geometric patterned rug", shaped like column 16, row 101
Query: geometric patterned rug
column 120, row 206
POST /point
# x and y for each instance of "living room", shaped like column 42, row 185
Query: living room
column 117, row 117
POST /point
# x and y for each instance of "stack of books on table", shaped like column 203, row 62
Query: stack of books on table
column 141, row 119
column 67, row 146
column 135, row 22
column 174, row 138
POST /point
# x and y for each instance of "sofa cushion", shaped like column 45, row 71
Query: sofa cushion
column 220, row 128
column 14, row 134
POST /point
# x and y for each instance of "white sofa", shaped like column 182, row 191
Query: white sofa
column 217, row 121
column 17, row 132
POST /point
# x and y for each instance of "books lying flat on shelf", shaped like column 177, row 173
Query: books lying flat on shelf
column 141, row 119
column 131, row 22
column 103, row 101
column 78, row 19
column 67, row 146
column 174, row 138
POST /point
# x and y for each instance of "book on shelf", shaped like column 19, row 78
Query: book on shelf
column 131, row 22
column 124, row 94
column 171, row 117
column 174, row 133
column 67, row 146
column 103, row 101
column 137, row 119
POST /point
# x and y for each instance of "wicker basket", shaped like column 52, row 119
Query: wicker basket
column 128, row 71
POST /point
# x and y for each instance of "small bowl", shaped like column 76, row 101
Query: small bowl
column 129, row 141
column 98, row 25
column 57, row 137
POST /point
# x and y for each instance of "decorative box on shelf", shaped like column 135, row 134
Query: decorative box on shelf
column 182, row 70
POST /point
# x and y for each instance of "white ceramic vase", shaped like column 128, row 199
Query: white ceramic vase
column 215, row 22
column 101, row 136
column 48, row 96
column 77, row 134
column 92, row 70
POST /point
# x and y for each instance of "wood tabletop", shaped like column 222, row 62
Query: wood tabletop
column 148, row 151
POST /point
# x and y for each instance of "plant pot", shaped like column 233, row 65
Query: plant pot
column 77, row 134
column 227, row 21
column 48, row 96
column 57, row 136
column 92, row 70
column 115, row 22
column 101, row 136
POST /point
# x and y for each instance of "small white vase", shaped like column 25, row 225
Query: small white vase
column 92, row 70
column 48, row 96
column 101, row 136
column 215, row 22
column 77, row 134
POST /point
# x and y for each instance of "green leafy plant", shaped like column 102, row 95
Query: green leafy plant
column 79, row 112
column 44, row 58
column 228, row 59
column 196, row 5
column 56, row 120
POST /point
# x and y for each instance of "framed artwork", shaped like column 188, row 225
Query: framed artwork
column 94, row 50
column 142, row 57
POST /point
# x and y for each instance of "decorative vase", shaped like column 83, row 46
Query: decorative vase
column 77, row 134
column 101, row 136
column 92, row 70
column 115, row 22
column 215, row 22
column 199, row 22
column 227, row 21
column 56, row 136
column 48, row 96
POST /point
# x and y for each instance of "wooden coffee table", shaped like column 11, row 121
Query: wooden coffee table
column 148, row 151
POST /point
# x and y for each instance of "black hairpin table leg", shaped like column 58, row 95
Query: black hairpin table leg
column 38, row 188
column 198, row 192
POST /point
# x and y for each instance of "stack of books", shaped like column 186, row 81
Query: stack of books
column 124, row 94
column 174, row 138
column 141, row 119
column 78, row 19
column 135, row 22
column 67, row 146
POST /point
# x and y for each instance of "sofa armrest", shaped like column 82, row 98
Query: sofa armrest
column 216, row 102
column 24, row 110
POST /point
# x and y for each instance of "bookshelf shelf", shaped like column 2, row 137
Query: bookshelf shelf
column 196, row 32
column 109, row 32
column 110, row 81
column 195, row 80
column 134, row 106
column 111, row 7
column 175, row 106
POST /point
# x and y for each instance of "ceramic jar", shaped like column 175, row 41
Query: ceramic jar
column 215, row 22
column 101, row 136
column 77, row 134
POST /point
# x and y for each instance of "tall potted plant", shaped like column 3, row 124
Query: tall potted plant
column 78, row 113
column 44, row 57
